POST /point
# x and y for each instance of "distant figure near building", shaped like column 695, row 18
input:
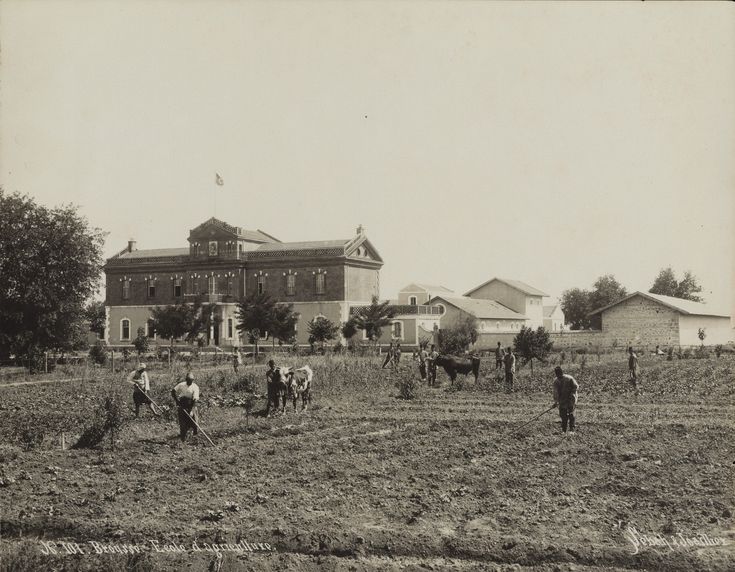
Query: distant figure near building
column 270, row 377
column 423, row 357
column 186, row 396
column 397, row 355
column 433, row 354
column 499, row 353
column 565, row 397
column 236, row 359
column 509, row 360
column 633, row 368
column 141, row 388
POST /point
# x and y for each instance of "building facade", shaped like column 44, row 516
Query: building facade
column 223, row 264
column 516, row 295
column 553, row 318
column 416, row 294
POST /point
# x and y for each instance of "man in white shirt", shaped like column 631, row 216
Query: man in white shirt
column 186, row 396
column 141, row 388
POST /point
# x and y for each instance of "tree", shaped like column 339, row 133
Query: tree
column 373, row 318
column 457, row 338
column 177, row 321
column 284, row 322
column 141, row 341
column 666, row 284
column 50, row 265
column 95, row 314
column 322, row 329
column 531, row 344
column 255, row 315
column 605, row 291
column 349, row 329
column 575, row 303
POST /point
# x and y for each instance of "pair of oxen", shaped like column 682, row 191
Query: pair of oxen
column 288, row 382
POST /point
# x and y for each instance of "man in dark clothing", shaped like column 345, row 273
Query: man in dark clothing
column 423, row 358
column 433, row 354
column 509, row 360
column 271, row 387
column 565, row 397
column 633, row 369
column 388, row 355
column 499, row 357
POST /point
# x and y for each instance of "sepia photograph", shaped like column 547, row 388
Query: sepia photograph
column 367, row 286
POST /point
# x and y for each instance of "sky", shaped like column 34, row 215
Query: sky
column 546, row 142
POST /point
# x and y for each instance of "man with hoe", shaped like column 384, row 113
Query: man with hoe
column 186, row 396
column 141, row 388
column 565, row 398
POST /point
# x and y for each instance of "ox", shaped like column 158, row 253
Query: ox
column 293, row 383
column 454, row 365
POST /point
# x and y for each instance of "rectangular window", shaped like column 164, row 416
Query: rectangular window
column 261, row 284
column 397, row 330
column 229, row 286
column 126, row 289
column 195, row 286
column 151, row 289
column 212, row 285
column 320, row 283
column 125, row 330
column 412, row 301
column 178, row 288
column 290, row 284
column 151, row 329
column 230, row 328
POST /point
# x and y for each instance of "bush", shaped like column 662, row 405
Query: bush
column 456, row 339
column 98, row 353
column 407, row 387
column 108, row 417
column 718, row 350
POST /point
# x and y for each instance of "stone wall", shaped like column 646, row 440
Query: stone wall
column 640, row 321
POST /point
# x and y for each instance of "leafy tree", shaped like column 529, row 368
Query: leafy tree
column 95, row 314
column 373, row 318
column 457, row 338
column 98, row 353
column 349, row 329
column 141, row 342
column 575, row 303
column 322, row 329
column 531, row 344
column 605, row 291
column 255, row 315
column 666, row 284
column 177, row 321
column 50, row 264
column 284, row 322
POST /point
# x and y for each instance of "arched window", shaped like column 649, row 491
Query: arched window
column 124, row 329
column 441, row 307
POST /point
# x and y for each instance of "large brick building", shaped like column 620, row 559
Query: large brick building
column 224, row 263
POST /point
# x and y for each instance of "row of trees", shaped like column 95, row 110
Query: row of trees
column 577, row 303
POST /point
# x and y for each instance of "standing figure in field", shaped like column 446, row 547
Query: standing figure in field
column 397, row 355
column 633, row 368
column 509, row 360
column 565, row 397
column 236, row 359
column 186, row 396
column 272, row 380
column 389, row 355
column 423, row 357
column 433, row 355
column 141, row 388
column 499, row 353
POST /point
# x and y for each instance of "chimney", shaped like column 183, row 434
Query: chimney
column 132, row 245
column 360, row 230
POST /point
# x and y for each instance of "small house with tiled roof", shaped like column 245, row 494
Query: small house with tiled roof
column 514, row 294
column 553, row 318
column 649, row 319
column 224, row 263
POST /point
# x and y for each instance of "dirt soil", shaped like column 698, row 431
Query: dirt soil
column 367, row 481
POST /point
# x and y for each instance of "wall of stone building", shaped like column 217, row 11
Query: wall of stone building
column 361, row 284
column 717, row 330
column 305, row 287
column 580, row 339
column 639, row 320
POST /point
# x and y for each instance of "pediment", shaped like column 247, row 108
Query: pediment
column 362, row 249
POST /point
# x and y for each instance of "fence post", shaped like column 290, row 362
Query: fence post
column 45, row 362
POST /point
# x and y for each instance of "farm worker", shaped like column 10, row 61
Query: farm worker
column 423, row 356
column 499, row 353
column 397, row 355
column 388, row 355
column 236, row 359
column 633, row 368
column 433, row 354
column 509, row 360
column 271, row 387
column 565, row 397
column 186, row 396
column 141, row 387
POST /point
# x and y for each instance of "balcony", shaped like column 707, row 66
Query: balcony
column 405, row 309
column 208, row 298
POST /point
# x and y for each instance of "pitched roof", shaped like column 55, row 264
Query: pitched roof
column 306, row 245
column 416, row 286
column 251, row 235
column 154, row 253
column 548, row 310
column 680, row 305
column 517, row 284
column 482, row 309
